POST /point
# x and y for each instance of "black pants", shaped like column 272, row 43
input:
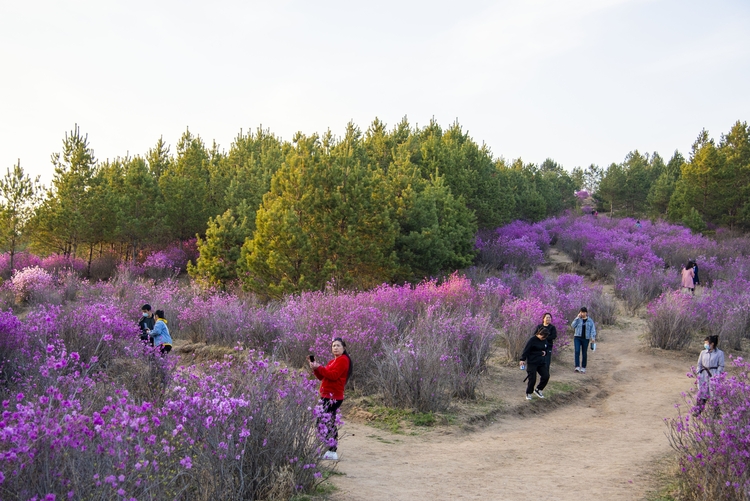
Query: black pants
column 331, row 407
column 531, row 370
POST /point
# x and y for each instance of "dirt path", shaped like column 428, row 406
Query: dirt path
column 600, row 448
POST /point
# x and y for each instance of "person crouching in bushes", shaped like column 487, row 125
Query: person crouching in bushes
column 534, row 356
column 710, row 364
column 160, row 333
column 333, row 378
column 146, row 323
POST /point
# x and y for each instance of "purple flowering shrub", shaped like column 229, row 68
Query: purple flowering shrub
column 673, row 320
column 519, row 245
column 31, row 282
column 221, row 318
column 714, row 445
column 234, row 430
column 725, row 308
column 57, row 264
column 89, row 412
column 21, row 260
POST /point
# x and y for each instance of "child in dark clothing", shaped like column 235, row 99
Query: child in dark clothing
column 534, row 357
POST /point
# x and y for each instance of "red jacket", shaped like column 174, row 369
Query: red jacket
column 333, row 377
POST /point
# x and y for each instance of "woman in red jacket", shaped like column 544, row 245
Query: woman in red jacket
column 333, row 378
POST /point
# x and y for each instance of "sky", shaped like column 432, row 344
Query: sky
column 579, row 81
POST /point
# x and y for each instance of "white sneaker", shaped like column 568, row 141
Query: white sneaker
column 578, row 369
column 528, row 396
column 539, row 393
column 333, row 456
column 583, row 370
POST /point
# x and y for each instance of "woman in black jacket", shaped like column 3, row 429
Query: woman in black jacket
column 547, row 323
column 534, row 356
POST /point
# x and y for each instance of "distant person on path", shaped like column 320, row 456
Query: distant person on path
column 696, row 280
column 638, row 224
column 333, row 378
column 146, row 323
column 547, row 324
column 710, row 364
column 585, row 332
column 160, row 333
column 534, row 356
column 687, row 277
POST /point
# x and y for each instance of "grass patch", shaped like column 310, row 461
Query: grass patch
column 559, row 388
column 397, row 420
column 322, row 490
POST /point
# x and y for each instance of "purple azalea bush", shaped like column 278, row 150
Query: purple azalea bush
column 713, row 443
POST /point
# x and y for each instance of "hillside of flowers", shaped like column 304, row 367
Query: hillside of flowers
column 89, row 412
column 645, row 262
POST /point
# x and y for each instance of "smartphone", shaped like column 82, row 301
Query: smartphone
column 311, row 358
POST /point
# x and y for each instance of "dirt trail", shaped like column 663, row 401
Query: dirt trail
column 600, row 448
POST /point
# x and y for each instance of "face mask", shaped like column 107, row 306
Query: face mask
column 145, row 314
column 707, row 346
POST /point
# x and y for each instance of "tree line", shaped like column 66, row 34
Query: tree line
column 363, row 208
column 710, row 188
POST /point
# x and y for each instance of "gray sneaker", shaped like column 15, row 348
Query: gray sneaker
column 539, row 393
column 528, row 396
column 583, row 370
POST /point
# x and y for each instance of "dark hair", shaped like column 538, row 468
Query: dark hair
column 543, row 331
column 713, row 340
column 159, row 313
column 146, row 307
column 548, row 313
column 351, row 365
column 689, row 265
column 583, row 309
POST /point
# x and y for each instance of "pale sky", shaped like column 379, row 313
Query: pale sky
column 580, row 81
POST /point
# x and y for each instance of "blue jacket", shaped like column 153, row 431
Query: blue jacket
column 590, row 327
column 160, row 333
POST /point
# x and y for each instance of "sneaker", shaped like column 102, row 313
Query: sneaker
column 333, row 456
column 539, row 393
column 578, row 369
column 583, row 370
column 528, row 396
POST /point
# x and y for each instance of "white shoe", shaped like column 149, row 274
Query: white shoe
column 583, row 370
column 528, row 396
column 578, row 369
column 333, row 456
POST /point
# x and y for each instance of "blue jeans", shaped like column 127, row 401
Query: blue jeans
column 579, row 343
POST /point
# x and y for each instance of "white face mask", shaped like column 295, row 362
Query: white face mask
column 707, row 346
column 145, row 314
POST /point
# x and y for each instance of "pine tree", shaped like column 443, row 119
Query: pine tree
column 19, row 195
column 220, row 251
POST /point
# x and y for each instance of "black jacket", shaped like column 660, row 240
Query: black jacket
column 534, row 351
column 146, row 323
column 552, row 333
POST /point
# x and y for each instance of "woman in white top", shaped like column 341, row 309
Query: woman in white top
column 710, row 364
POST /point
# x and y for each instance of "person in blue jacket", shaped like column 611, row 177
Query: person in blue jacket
column 585, row 332
column 160, row 333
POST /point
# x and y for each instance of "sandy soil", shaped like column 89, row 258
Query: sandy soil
column 603, row 446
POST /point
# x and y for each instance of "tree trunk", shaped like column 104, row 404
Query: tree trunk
column 91, row 256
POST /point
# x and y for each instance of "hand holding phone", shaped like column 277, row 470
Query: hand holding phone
column 311, row 358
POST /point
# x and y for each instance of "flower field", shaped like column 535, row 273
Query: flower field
column 89, row 412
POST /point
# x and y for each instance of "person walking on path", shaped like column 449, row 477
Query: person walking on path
column 710, row 364
column 687, row 277
column 333, row 378
column 534, row 357
column 547, row 324
column 585, row 332
column 159, row 335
